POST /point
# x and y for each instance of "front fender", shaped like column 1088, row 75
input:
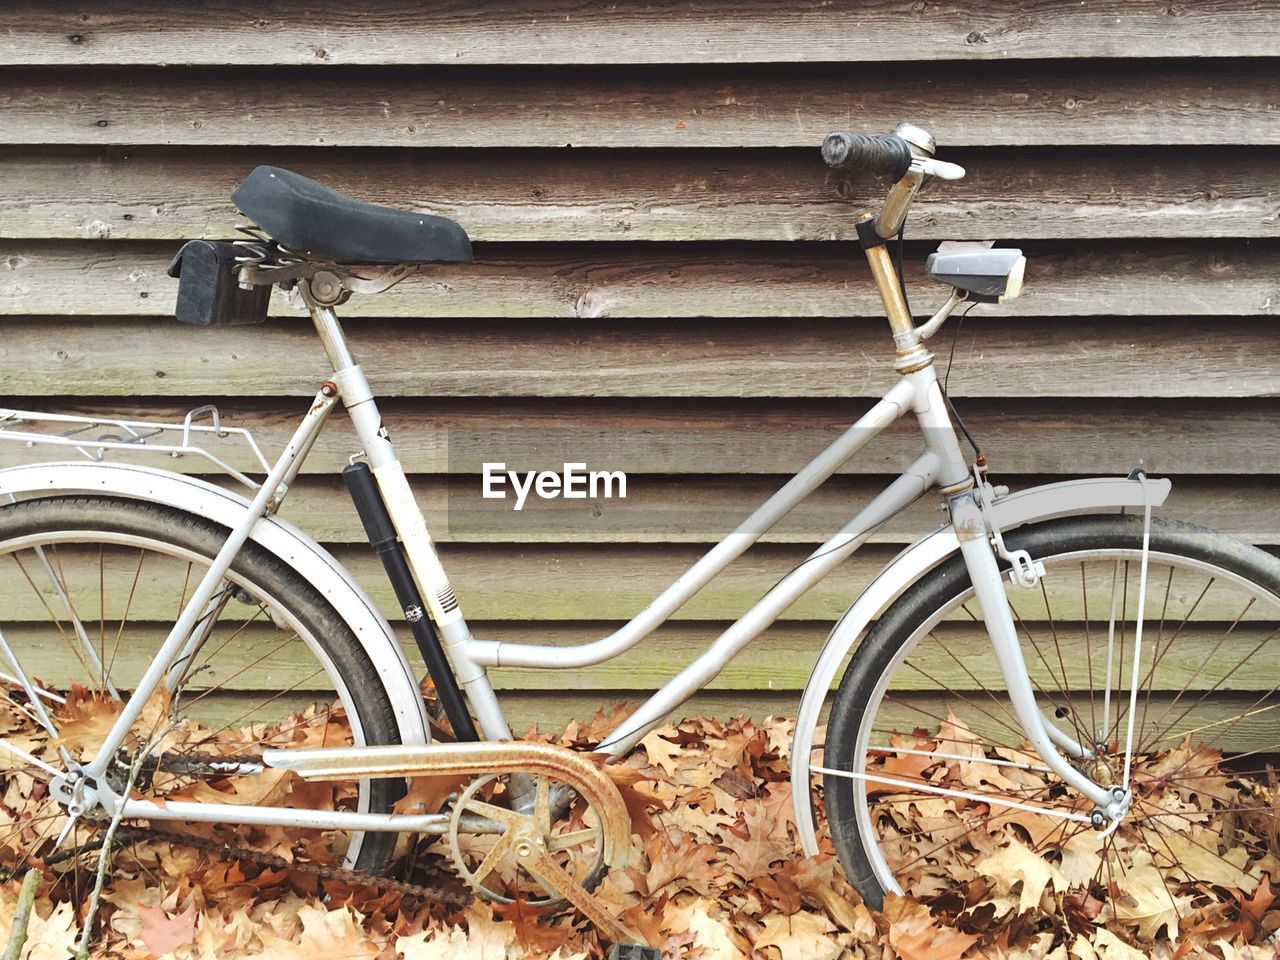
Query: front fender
column 1034, row 504
column 293, row 547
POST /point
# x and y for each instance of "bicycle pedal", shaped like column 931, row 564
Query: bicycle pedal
column 633, row 951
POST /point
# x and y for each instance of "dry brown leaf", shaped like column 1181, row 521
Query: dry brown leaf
column 428, row 794
column 716, row 938
column 1017, row 863
column 915, row 935
column 1105, row 946
column 663, row 753
column 758, row 841
column 533, row 933
column 163, row 933
column 715, row 872
column 1194, row 855
column 1146, row 903
column 52, row 936
column 683, row 863
column 335, row 933
column 801, row 936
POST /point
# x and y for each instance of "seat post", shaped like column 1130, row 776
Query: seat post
column 332, row 337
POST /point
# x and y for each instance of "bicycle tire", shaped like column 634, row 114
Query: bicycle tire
column 293, row 603
column 900, row 631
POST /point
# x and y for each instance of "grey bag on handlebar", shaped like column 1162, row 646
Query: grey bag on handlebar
column 209, row 293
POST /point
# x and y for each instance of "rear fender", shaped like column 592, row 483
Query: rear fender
column 1027, row 506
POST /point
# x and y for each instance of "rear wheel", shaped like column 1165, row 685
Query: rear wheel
column 92, row 588
column 921, row 710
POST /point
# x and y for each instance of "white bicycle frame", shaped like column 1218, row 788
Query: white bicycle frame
column 940, row 466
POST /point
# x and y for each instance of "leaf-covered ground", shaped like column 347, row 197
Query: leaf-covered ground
column 716, row 874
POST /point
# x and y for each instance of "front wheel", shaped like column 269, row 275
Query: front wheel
column 931, row 784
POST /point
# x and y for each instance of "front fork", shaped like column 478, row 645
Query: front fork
column 971, row 527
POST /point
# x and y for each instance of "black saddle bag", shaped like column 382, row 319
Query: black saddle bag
column 209, row 292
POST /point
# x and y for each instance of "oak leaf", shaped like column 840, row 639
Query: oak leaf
column 801, row 936
column 428, row 794
column 760, row 840
column 1146, row 902
column 534, row 933
column 163, row 933
column 335, row 933
column 1105, row 946
column 1018, row 863
column 1193, row 855
column 916, row 935
column 716, row 939
column 685, row 863
column 663, row 753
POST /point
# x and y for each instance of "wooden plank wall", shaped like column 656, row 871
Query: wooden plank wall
column 664, row 268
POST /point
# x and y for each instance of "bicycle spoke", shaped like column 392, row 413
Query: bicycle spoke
column 954, row 756
column 965, row 699
column 270, row 700
column 1088, row 651
column 1057, row 646
column 239, row 678
column 1173, row 901
column 1205, row 694
column 53, row 617
column 1049, row 670
column 1158, row 653
column 128, row 605
column 61, row 587
column 243, row 670
column 1232, row 721
column 204, row 628
column 969, row 673
column 1187, row 837
column 1192, row 769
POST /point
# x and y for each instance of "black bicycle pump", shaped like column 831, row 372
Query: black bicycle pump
column 382, row 536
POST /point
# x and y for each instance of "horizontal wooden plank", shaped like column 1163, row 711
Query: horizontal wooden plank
column 557, row 31
column 515, row 583
column 599, row 281
column 1200, row 357
column 163, row 193
column 551, row 711
column 1071, row 438
column 983, row 104
column 704, row 509
column 780, row 660
column 598, row 582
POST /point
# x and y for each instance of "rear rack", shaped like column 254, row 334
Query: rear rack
column 94, row 437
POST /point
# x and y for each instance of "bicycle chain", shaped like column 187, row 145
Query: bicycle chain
column 218, row 766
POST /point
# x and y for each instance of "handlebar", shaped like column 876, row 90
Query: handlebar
column 886, row 154
column 906, row 155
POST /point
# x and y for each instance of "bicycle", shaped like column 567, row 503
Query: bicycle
column 164, row 591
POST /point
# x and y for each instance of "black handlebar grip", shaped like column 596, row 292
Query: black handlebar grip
column 888, row 153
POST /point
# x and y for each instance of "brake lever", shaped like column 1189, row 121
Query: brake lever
column 937, row 168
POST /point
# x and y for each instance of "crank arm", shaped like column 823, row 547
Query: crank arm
column 533, row 856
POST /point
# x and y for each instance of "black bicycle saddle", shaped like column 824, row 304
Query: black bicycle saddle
column 322, row 223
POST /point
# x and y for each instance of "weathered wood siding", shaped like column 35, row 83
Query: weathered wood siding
column 664, row 268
